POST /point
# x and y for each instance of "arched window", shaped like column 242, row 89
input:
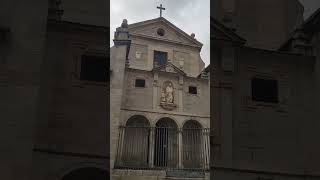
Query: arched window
column 88, row 173
column 136, row 142
column 166, row 143
column 192, row 144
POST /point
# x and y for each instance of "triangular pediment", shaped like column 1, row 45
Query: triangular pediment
column 220, row 32
column 170, row 68
column 149, row 29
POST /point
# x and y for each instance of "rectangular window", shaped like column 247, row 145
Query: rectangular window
column 192, row 90
column 140, row 83
column 94, row 68
column 264, row 90
column 160, row 58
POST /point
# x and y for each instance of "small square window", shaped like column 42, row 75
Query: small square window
column 140, row 83
column 192, row 90
column 264, row 90
column 94, row 68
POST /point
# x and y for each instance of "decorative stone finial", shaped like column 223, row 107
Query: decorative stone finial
column 193, row 35
column 124, row 23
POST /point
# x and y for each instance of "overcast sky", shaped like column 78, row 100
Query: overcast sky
column 181, row 13
column 310, row 6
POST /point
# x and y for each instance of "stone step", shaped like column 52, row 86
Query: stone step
column 185, row 175
column 181, row 178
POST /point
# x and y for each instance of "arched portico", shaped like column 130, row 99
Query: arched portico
column 166, row 143
column 134, row 142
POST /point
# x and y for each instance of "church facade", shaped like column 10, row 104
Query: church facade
column 160, row 103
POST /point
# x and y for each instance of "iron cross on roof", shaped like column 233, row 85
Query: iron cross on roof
column 161, row 8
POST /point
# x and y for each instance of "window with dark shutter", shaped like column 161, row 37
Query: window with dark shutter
column 193, row 90
column 140, row 83
column 264, row 90
column 94, row 68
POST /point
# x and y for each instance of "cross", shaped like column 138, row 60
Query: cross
column 161, row 8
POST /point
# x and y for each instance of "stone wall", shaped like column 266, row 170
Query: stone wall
column 86, row 12
column 264, row 24
column 149, row 97
column 181, row 56
column 72, row 127
column 261, row 139
column 21, row 57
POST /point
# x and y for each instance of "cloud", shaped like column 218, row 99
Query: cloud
column 192, row 16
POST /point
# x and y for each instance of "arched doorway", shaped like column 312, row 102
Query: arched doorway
column 166, row 143
column 88, row 173
column 136, row 142
column 192, row 144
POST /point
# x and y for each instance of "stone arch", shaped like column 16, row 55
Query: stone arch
column 72, row 166
column 166, row 143
column 189, row 124
column 192, row 144
column 166, row 122
column 87, row 173
column 137, row 121
column 162, row 117
column 134, row 148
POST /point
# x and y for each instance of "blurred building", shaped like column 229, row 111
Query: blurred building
column 265, row 92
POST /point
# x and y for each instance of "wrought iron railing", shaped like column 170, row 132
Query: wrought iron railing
column 163, row 148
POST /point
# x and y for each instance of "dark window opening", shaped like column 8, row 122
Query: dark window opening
column 140, row 83
column 264, row 90
column 192, row 90
column 94, row 68
column 160, row 32
column 160, row 58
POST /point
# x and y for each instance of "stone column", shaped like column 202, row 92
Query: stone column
column 180, row 148
column 155, row 91
column 206, row 148
column 119, row 153
column 180, row 94
column 151, row 149
column 118, row 62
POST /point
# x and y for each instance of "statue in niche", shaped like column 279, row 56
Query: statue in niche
column 169, row 93
column 167, row 96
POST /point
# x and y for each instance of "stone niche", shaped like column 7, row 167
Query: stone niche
column 167, row 99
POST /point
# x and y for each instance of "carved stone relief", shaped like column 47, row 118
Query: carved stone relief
column 167, row 100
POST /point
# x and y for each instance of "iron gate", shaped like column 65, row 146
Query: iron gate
column 163, row 148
